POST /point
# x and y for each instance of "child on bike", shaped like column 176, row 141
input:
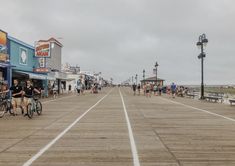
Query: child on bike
column 28, row 93
column 4, row 90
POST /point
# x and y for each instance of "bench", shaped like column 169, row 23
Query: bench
column 231, row 101
column 213, row 98
column 190, row 95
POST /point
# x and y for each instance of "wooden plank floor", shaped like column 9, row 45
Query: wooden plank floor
column 166, row 133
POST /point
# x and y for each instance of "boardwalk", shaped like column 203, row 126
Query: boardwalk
column 157, row 131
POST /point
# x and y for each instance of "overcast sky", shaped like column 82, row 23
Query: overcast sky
column 120, row 38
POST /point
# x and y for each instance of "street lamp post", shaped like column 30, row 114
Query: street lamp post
column 136, row 78
column 156, row 65
column 202, row 42
column 143, row 74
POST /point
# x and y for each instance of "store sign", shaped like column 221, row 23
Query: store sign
column 41, row 70
column 3, row 47
column 42, row 49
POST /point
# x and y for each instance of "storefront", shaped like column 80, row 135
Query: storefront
column 60, row 79
column 23, row 59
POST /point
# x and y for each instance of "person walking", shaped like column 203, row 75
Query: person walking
column 134, row 89
column 83, row 88
column 144, row 89
column 62, row 88
column 155, row 88
column 173, row 89
column 78, row 87
column 159, row 89
column 139, row 87
column 148, row 90
column 55, row 89
column 70, row 88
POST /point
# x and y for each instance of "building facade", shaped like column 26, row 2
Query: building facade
column 49, row 52
column 23, row 61
column 152, row 80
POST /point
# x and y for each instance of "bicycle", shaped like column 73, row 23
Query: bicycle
column 5, row 106
column 34, row 106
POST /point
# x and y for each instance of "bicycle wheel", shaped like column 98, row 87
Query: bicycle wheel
column 2, row 110
column 29, row 111
column 38, row 107
column 22, row 109
column 9, row 107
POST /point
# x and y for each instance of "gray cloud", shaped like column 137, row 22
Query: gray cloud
column 122, row 37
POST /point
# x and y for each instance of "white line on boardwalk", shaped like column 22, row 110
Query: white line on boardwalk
column 208, row 112
column 135, row 156
column 45, row 148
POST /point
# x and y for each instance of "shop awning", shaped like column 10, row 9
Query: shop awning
column 59, row 76
column 51, row 78
column 67, row 79
column 34, row 75
column 4, row 65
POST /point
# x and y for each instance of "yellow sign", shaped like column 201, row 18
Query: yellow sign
column 3, row 38
column 3, row 46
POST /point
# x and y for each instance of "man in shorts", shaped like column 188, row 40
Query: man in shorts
column 16, row 95
column 28, row 94
column 148, row 89
column 155, row 89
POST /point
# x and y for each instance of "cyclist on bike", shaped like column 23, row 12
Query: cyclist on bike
column 28, row 93
column 4, row 90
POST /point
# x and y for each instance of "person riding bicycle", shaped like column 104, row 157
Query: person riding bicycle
column 28, row 93
column 4, row 90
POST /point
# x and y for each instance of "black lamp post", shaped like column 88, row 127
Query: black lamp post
column 156, row 65
column 111, row 81
column 202, row 42
column 143, row 74
column 136, row 78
